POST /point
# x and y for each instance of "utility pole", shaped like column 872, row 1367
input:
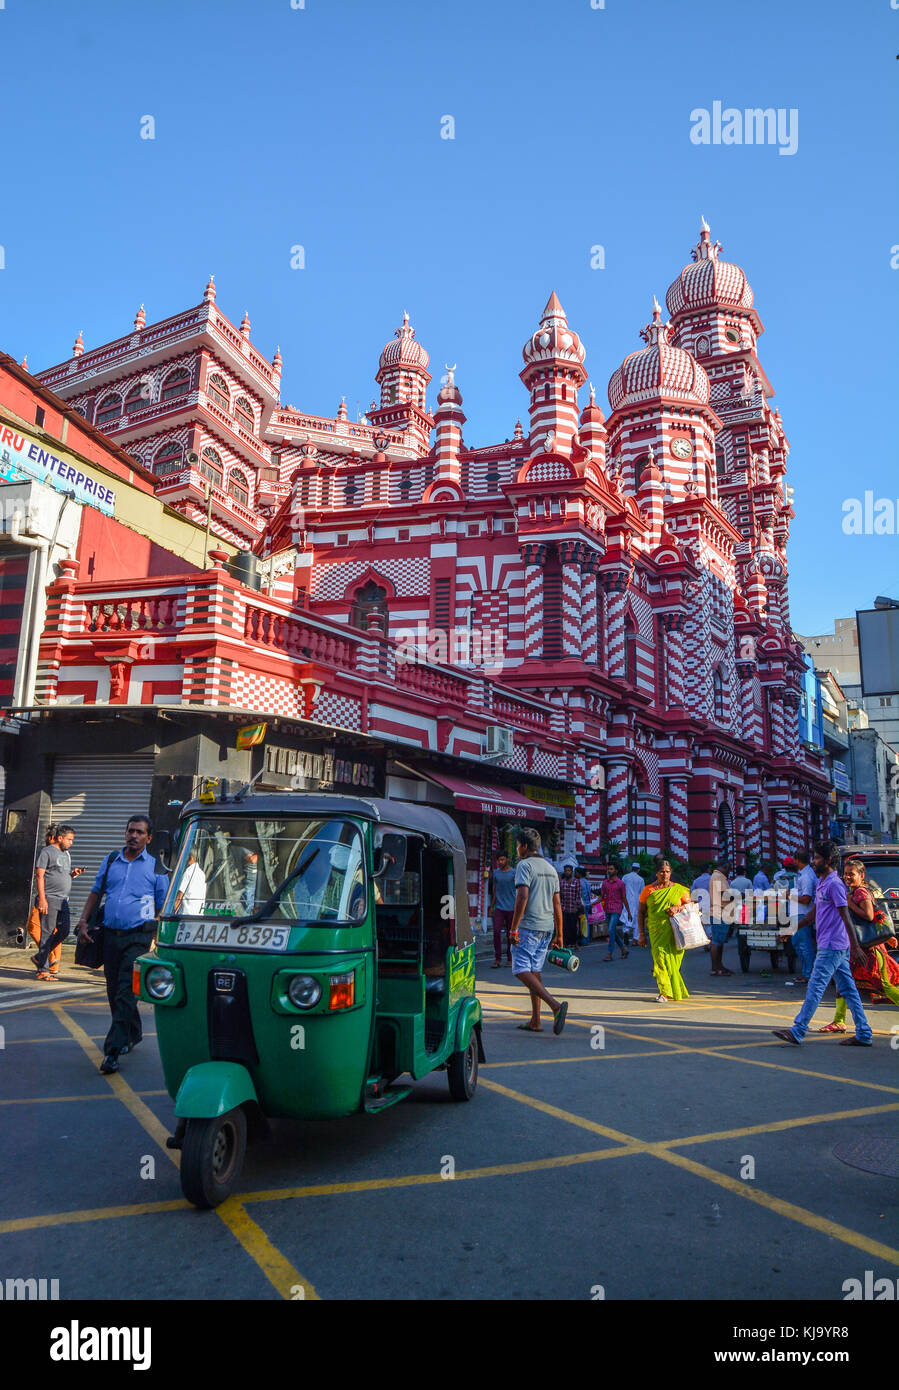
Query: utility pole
column 208, row 521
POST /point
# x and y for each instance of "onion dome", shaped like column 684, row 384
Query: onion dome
column 277, row 362
column 245, row 325
column 709, row 282
column 140, row 318
column 341, row 409
column 659, row 369
column 449, row 393
column 553, row 338
column 209, row 292
column 403, row 350
column 591, row 413
column 78, row 347
column 519, row 430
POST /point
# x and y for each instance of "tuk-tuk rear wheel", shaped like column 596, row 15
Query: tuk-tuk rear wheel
column 462, row 1070
column 212, row 1155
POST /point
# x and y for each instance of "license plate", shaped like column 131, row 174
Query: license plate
column 224, row 936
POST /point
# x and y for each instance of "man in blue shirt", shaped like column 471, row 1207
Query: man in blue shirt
column 761, row 882
column 132, row 893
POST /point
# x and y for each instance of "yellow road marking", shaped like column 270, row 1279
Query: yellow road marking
column 635, row 1147
column 740, row 1189
column 122, row 1091
column 803, row 1071
column 498, row 1170
column 803, row 1217
column 62, row 1100
column 289, row 1283
column 73, row 1218
column 256, row 1243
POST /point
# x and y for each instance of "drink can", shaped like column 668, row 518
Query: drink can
column 564, row 959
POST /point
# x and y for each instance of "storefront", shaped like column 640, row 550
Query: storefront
column 93, row 767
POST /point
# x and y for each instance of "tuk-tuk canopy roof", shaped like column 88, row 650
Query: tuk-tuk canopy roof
column 429, row 821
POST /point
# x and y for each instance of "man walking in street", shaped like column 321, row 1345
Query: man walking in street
column 570, row 895
column 634, row 883
column 501, row 907
column 614, row 904
column 837, row 945
column 132, row 893
column 53, row 876
column 804, row 935
column 722, row 911
column 537, row 919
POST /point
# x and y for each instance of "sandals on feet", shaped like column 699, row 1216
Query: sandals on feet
column 855, row 1042
column 526, row 1028
column 559, row 1018
column 785, row 1036
column 833, row 1028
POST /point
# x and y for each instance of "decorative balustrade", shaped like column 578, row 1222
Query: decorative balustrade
column 149, row 613
column 431, row 682
column 506, row 711
column 264, row 627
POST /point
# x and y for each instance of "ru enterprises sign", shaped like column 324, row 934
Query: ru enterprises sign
column 22, row 459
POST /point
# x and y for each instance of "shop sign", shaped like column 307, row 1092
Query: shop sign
column 311, row 769
column 841, row 777
column 22, row 459
column 549, row 796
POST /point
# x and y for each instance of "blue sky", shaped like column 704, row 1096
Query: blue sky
column 321, row 127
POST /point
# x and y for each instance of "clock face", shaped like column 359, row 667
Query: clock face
column 681, row 449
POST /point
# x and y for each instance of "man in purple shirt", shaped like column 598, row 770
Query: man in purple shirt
column 837, row 943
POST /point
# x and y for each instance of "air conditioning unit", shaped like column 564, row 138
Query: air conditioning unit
column 499, row 741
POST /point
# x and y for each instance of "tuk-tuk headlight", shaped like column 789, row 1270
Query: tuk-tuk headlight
column 304, row 991
column 160, row 981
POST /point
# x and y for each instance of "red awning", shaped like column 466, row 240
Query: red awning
column 487, row 797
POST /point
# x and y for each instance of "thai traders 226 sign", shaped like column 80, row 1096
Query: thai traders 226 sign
column 22, row 459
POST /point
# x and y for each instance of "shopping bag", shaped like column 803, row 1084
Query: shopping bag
column 583, row 929
column 687, row 927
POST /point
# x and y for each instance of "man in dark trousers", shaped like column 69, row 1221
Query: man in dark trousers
column 133, row 894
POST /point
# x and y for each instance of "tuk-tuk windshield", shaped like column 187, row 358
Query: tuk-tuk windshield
column 229, row 866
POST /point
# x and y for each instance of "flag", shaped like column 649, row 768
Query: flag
column 250, row 735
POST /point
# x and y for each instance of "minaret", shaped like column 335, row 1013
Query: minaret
column 592, row 432
column 448, row 420
column 553, row 374
column 403, row 378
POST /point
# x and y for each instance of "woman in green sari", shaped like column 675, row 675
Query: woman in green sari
column 657, row 903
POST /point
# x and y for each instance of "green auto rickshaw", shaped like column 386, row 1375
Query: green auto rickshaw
column 311, row 948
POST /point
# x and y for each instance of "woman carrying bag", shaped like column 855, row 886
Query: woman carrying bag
column 658, row 903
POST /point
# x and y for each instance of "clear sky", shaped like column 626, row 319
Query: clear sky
column 321, row 127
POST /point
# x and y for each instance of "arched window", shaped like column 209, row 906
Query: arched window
column 109, row 409
column 639, row 465
column 217, row 388
column 350, row 492
column 169, row 459
column 211, row 466
column 244, row 413
column 546, row 392
column 720, row 460
column 238, row 486
column 137, row 398
column 405, row 486
column 177, row 383
column 718, row 694
column 370, row 599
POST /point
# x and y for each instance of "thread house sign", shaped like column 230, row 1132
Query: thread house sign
column 329, row 770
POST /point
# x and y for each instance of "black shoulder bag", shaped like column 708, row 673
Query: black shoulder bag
column 90, row 953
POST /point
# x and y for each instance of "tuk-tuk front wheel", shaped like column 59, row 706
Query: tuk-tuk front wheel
column 462, row 1070
column 212, row 1155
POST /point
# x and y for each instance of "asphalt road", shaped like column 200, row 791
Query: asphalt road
column 680, row 1152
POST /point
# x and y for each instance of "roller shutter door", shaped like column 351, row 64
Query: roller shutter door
column 96, row 796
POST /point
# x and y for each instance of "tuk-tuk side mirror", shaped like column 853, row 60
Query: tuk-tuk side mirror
column 389, row 856
column 162, row 845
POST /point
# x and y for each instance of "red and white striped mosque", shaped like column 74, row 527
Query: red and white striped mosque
column 598, row 604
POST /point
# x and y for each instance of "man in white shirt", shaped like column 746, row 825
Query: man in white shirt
column 191, row 896
column 634, row 883
column 804, row 935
